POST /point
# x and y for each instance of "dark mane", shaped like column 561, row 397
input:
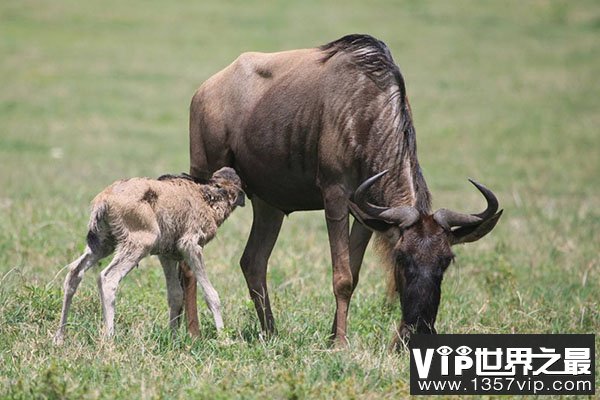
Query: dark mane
column 184, row 176
column 370, row 55
column 373, row 57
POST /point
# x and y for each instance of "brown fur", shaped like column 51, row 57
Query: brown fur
column 173, row 217
column 166, row 209
column 304, row 129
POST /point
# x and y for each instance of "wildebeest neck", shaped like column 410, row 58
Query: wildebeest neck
column 375, row 116
column 404, row 184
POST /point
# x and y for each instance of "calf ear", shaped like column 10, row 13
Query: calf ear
column 469, row 234
column 369, row 222
column 241, row 200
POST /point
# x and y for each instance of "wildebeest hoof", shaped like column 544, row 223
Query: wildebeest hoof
column 339, row 342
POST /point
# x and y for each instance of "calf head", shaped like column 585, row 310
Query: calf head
column 228, row 184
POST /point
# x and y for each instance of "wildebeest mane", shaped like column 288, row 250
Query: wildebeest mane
column 370, row 55
column 373, row 58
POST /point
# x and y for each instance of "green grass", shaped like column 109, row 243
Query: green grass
column 505, row 92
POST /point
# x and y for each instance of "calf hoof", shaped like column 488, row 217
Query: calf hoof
column 107, row 335
column 224, row 339
column 58, row 339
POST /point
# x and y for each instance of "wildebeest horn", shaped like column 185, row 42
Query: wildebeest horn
column 403, row 216
column 448, row 218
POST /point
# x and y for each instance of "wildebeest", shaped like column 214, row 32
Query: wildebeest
column 331, row 128
column 172, row 217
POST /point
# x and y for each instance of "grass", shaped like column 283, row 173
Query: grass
column 95, row 91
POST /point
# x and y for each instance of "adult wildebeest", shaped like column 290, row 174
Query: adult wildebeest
column 331, row 128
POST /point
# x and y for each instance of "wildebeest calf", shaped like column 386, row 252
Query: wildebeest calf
column 172, row 217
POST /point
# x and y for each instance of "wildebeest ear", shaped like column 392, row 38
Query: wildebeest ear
column 371, row 223
column 469, row 234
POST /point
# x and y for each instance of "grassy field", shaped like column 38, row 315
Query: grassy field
column 505, row 92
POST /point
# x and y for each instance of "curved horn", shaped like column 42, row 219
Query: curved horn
column 492, row 201
column 448, row 218
column 360, row 195
column 403, row 216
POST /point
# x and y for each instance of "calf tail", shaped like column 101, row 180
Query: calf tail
column 96, row 226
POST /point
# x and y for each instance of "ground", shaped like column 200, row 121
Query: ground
column 504, row 92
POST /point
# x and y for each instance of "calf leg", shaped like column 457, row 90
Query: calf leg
column 193, row 255
column 76, row 270
column 109, row 279
column 189, row 284
column 174, row 291
column 263, row 235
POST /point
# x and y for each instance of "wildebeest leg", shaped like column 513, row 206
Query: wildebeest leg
column 336, row 214
column 208, row 153
column 108, row 281
column 189, row 284
column 263, row 235
column 174, row 291
column 193, row 255
column 359, row 239
column 76, row 270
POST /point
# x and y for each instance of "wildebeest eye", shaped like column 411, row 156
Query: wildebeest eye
column 446, row 261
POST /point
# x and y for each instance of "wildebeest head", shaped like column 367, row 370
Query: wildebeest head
column 420, row 248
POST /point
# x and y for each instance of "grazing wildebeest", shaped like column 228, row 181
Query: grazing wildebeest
column 331, row 128
column 172, row 217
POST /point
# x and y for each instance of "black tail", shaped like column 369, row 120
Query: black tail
column 95, row 225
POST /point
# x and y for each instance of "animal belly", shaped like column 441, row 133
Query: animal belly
column 280, row 186
column 279, row 171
